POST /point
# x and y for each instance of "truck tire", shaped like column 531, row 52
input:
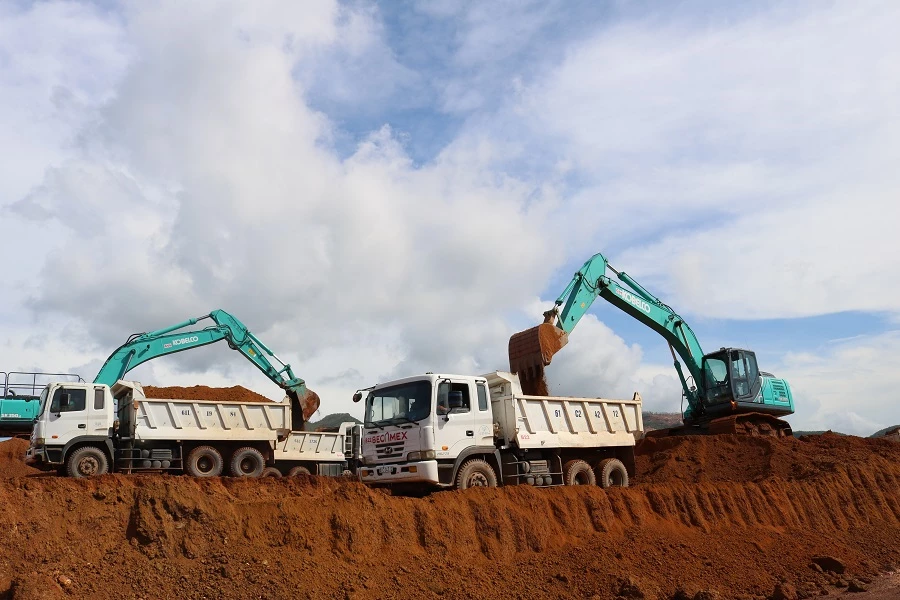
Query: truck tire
column 87, row 462
column 612, row 473
column 578, row 472
column 204, row 461
column 247, row 462
column 270, row 472
column 298, row 471
column 475, row 473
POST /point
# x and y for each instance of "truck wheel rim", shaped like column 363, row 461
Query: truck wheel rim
column 581, row 478
column 88, row 466
column 204, row 464
column 478, row 480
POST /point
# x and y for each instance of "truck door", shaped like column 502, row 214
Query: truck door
column 484, row 417
column 99, row 421
column 454, row 431
column 68, row 415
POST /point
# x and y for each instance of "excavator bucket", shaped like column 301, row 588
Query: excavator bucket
column 532, row 350
column 303, row 407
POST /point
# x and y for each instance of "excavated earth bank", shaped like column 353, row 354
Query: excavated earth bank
column 725, row 517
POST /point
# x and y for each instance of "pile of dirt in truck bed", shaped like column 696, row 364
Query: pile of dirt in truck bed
column 813, row 513
column 202, row 392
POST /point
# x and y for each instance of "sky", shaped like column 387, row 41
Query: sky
column 380, row 189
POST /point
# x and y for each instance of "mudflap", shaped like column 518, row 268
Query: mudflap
column 755, row 424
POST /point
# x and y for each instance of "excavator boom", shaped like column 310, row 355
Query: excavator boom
column 140, row 348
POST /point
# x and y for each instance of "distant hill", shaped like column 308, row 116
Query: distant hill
column 330, row 422
column 892, row 432
column 655, row 420
column 800, row 433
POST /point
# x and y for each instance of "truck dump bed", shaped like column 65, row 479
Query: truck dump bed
column 159, row 419
column 561, row 422
column 312, row 446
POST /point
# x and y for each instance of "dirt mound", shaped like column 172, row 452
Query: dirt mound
column 12, row 459
column 754, row 516
column 201, row 392
column 744, row 458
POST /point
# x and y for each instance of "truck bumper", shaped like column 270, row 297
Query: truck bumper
column 414, row 472
column 43, row 458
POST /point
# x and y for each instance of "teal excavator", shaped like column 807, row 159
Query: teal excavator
column 141, row 347
column 724, row 390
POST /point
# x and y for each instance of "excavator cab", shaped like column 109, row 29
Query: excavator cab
column 730, row 375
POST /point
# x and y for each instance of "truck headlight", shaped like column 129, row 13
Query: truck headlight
column 38, row 441
column 423, row 455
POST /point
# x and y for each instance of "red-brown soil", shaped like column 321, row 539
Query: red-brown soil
column 201, row 392
column 729, row 515
column 12, row 459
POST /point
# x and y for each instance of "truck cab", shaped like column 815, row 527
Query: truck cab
column 419, row 429
column 70, row 414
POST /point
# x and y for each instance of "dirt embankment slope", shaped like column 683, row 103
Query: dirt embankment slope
column 754, row 515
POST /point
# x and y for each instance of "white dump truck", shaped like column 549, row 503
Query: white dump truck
column 85, row 429
column 463, row 431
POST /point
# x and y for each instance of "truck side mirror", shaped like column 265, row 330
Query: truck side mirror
column 357, row 397
column 442, row 409
column 455, row 399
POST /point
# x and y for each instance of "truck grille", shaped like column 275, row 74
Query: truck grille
column 389, row 451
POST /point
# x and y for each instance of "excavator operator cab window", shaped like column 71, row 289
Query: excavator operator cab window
column 739, row 375
column 730, row 375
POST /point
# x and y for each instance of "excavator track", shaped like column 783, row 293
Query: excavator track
column 754, row 424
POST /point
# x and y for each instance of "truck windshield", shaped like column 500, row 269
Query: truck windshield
column 405, row 403
column 44, row 400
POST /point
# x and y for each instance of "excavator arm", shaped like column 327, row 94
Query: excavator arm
column 532, row 349
column 139, row 348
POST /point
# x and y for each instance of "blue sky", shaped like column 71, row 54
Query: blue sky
column 379, row 189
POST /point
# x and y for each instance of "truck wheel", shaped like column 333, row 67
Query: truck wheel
column 578, row 472
column 475, row 473
column 204, row 461
column 247, row 462
column 612, row 473
column 298, row 471
column 87, row 462
column 270, row 472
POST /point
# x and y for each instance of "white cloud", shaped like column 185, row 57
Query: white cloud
column 171, row 159
column 745, row 169
column 207, row 182
column 849, row 386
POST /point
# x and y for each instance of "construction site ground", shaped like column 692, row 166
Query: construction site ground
column 716, row 517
